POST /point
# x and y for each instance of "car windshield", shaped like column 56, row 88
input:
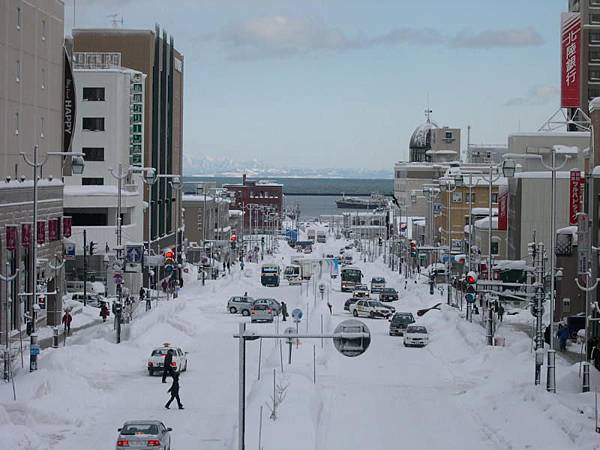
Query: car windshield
column 416, row 330
column 378, row 280
column 140, row 428
column 374, row 304
column 403, row 318
column 160, row 352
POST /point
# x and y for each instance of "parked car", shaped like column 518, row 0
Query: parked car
column 416, row 335
column 388, row 295
column 362, row 290
column 369, row 308
column 350, row 301
column 240, row 304
column 157, row 358
column 377, row 284
column 142, row 434
column 270, row 302
column 94, row 300
column 399, row 322
column 261, row 313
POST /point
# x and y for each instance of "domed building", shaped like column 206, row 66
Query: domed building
column 420, row 141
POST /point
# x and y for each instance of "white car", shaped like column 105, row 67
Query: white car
column 416, row 336
column 369, row 308
column 361, row 291
column 157, row 359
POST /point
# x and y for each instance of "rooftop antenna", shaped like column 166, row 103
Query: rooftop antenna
column 428, row 111
column 115, row 21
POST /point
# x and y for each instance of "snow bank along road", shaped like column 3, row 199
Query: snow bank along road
column 454, row 393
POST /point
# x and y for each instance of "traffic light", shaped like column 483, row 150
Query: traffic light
column 413, row 249
column 471, row 294
column 92, row 247
column 233, row 241
column 169, row 260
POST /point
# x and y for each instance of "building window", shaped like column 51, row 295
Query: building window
column 457, row 197
column 93, row 94
column 17, row 124
column 92, row 181
column 93, row 124
column 593, row 92
column 494, row 248
column 137, row 87
column 594, row 37
column 448, row 134
column 18, row 71
column 594, row 55
column 18, row 18
column 93, row 153
column 137, row 108
column 494, row 197
column 594, row 75
column 594, row 2
column 43, row 29
column 137, row 98
column 137, row 128
column 595, row 19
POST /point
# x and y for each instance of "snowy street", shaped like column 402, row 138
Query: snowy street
column 454, row 393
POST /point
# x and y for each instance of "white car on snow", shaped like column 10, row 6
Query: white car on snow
column 369, row 308
column 416, row 336
column 156, row 361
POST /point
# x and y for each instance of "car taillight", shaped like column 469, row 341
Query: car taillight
column 150, row 364
column 173, row 364
column 153, row 443
column 122, row 443
column 270, row 311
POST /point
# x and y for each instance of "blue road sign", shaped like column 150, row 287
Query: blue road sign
column 297, row 314
column 134, row 253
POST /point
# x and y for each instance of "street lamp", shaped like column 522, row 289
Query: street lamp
column 553, row 167
column 177, row 186
column 149, row 179
column 449, row 185
column 78, row 166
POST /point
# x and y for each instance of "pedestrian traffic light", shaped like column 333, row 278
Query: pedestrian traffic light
column 471, row 291
column 169, row 257
column 413, row 249
column 471, row 278
column 92, row 247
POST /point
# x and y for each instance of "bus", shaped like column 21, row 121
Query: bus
column 321, row 237
column 351, row 277
column 269, row 275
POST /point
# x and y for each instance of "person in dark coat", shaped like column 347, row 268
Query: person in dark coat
column 500, row 312
column 66, row 320
column 142, row 293
column 104, row 312
column 174, row 391
column 330, row 306
column 167, row 369
column 284, row 312
column 563, row 335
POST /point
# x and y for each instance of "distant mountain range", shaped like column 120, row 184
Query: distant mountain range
column 202, row 165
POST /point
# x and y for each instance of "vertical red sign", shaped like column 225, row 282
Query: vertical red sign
column 575, row 195
column 41, row 232
column 67, row 223
column 53, row 229
column 570, row 60
column 503, row 212
column 26, row 234
column 11, row 237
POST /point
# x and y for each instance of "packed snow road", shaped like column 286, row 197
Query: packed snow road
column 454, row 393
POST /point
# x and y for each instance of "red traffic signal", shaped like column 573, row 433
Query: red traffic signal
column 471, row 277
column 233, row 238
column 169, row 254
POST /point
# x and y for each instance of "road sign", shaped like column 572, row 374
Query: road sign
column 69, row 250
column 134, row 253
column 297, row 314
column 290, row 330
column 357, row 341
column 118, row 278
column 116, row 265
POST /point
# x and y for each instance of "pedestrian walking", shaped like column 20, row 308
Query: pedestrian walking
column 66, row 320
column 224, row 266
column 167, row 369
column 142, row 293
column 174, row 391
column 164, row 285
column 242, row 265
column 405, row 284
column 500, row 312
column 104, row 312
column 228, row 267
column 330, row 306
column 284, row 312
column 563, row 335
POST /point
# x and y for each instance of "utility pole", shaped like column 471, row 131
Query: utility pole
column 84, row 267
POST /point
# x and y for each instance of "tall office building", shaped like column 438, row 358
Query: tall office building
column 31, row 114
column 153, row 54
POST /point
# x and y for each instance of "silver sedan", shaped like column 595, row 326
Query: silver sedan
column 144, row 434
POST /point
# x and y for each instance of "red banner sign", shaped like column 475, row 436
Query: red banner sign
column 53, row 231
column 576, row 187
column 67, row 223
column 570, row 60
column 503, row 212
column 11, row 237
column 26, row 234
column 41, row 232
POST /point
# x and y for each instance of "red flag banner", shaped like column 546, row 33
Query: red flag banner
column 67, row 223
column 503, row 212
column 11, row 237
column 53, row 231
column 26, row 234
column 570, row 60
column 41, row 232
column 575, row 195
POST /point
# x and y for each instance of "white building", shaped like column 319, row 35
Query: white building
column 109, row 131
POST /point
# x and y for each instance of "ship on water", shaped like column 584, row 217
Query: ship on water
column 374, row 201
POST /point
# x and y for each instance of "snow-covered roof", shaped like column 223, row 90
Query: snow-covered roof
column 570, row 230
column 506, row 264
column 483, row 224
column 543, row 174
column 107, row 190
column 484, row 211
column 419, row 138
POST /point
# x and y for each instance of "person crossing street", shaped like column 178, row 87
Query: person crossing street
column 174, row 391
column 167, row 369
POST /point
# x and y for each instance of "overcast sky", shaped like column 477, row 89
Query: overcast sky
column 345, row 82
